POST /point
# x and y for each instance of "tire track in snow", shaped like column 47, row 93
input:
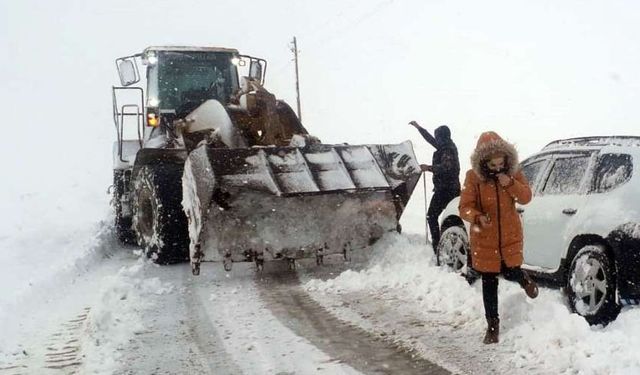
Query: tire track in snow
column 61, row 354
column 204, row 334
column 439, row 337
column 178, row 336
column 348, row 344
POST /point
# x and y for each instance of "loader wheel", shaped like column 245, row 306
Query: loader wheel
column 158, row 219
column 123, row 223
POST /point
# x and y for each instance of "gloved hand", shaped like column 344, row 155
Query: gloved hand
column 426, row 168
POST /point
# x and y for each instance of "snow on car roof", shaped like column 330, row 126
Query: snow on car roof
column 594, row 142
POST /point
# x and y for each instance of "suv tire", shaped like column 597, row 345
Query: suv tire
column 453, row 248
column 591, row 285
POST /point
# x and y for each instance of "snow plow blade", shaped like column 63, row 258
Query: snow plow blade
column 262, row 203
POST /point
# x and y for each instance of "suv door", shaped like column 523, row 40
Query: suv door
column 533, row 168
column 558, row 198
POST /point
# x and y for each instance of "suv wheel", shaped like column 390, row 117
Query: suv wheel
column 591, row 285
column 454, row 248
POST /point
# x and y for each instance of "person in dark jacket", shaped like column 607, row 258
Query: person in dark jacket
column 445, row 167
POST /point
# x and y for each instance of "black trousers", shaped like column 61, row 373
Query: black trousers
column 439, row 202
column 490, row 288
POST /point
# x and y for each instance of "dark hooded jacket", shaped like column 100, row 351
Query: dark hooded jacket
column 445, row 162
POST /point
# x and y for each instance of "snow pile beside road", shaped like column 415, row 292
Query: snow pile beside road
column 117, row 316
column 37, row 277
column 47, row 239
column 407, row 267
column 540, row 332
column 549, row 333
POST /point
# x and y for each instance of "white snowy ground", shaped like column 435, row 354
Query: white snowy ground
column 122, row 314
column 244, row 338
column 72, row 296
column 74, row 301
column 402, row 294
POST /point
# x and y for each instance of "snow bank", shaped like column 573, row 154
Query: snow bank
column 45, row 233
column 406, row 266
column 117, row 316
column 541, row 331
column 38, row 272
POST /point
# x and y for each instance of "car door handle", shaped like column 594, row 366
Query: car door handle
column 519, row 210
column 569, row 211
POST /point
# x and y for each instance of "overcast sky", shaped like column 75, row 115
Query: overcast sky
column 534, row 71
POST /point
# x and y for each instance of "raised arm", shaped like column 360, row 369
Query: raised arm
column 425, row 134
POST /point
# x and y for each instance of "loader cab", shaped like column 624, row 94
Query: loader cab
column 163, row 84
column 179, row 81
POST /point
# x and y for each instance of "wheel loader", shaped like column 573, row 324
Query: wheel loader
column 210, row 166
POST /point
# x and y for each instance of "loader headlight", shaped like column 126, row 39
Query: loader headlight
column 153, row 119
column 152, row 58
column 235, row 60
column 153, row 102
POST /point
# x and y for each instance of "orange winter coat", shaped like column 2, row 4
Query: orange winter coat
column 501, row 240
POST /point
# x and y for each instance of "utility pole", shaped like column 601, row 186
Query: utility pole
column 295, row 54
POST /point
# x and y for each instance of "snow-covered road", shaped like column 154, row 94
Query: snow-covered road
column 392, row 311
column 125, row 315
column 216, row 323
column 243, row 322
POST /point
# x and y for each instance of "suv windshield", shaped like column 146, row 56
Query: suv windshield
column 181, row 81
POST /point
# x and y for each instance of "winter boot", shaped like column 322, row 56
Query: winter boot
column 530, row 287
column 493, row 331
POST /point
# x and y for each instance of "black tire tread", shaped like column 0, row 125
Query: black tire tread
column 170, row 226
column 122, row 225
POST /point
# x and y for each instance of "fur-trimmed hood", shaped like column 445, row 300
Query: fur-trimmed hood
column 489, row 144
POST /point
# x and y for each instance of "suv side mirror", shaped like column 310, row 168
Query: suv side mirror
column 127, row 71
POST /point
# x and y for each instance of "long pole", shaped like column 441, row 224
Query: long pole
column 426, row 224
column 295, row 53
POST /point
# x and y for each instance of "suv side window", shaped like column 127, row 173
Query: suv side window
column 566, row 175
column 612, row 170
column 532, row 171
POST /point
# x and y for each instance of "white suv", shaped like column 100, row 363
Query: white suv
column 582, row 227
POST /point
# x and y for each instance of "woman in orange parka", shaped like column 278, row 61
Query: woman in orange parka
column 488, row 200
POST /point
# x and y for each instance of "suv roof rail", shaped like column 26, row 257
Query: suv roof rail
column 614, row 140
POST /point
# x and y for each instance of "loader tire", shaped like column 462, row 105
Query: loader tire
column 122, row 224
column 158, row 219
